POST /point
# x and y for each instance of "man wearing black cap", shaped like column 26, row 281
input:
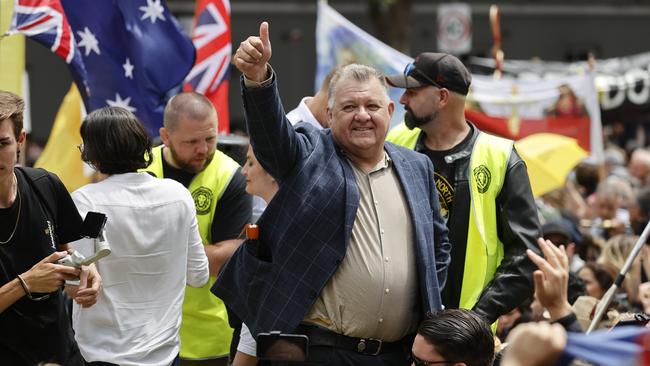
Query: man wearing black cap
column 482, row 184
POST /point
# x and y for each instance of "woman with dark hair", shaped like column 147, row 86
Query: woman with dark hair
column 597, row 280
column 115, row 142
column 155, row 242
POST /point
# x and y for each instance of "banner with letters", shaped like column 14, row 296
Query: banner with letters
column 622, row 83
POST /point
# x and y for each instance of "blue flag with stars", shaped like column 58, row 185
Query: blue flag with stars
column 135, row 55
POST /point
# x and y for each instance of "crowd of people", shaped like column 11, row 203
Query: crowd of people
column 419, row 245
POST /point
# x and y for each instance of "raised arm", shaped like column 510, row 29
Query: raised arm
column 276, row 144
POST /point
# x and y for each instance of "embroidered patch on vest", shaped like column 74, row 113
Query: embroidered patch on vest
column 483, row 178
column 202, row 200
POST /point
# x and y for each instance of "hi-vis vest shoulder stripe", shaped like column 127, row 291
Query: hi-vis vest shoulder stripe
column 487, row 170
column 205, row 332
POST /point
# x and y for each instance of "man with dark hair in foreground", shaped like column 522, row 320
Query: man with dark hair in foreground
column 454, row 337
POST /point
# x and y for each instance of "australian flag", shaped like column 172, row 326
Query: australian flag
column 45, row 22
column 211, row 37
column 133, row 52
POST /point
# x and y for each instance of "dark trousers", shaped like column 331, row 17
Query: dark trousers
column 323, row 355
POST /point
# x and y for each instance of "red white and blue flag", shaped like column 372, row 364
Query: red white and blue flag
column 211, row 38
column 45, row 22
column 130, row 54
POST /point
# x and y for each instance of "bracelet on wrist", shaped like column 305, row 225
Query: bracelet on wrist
column 28, row 293
column 23, row 284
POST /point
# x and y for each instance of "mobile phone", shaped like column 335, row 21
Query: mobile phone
column 638, row 319
column 276, row 346
column 93, row 224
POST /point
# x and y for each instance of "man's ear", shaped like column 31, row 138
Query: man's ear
column 391, row 108
column 164, row 135
column 445, row 97
column 329, row 117
column 21, row 139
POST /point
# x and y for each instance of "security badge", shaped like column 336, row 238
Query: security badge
column 483, row 178
column 202, row 200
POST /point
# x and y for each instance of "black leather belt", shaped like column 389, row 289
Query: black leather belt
column 319, row 336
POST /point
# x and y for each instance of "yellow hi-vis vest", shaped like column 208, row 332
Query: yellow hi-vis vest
column 205, row 332
column 487, row 170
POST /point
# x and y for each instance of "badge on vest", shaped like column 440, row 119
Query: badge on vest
column 202, row 200
column 483, row 178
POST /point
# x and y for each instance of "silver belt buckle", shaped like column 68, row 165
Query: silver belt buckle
column 362, row 345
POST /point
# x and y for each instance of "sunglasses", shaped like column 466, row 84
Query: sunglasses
column 419, row 362
column 410, row 68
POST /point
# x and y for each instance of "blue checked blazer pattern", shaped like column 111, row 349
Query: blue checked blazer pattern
column 305, row 229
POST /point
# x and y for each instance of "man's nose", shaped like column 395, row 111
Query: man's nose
column 404, row 99
column 363, row 114
column 203, row 147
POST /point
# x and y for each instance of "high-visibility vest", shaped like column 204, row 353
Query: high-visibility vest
column 487, row 170
column 205, row 332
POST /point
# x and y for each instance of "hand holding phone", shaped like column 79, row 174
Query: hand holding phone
column 276, row 346
column 93, row 227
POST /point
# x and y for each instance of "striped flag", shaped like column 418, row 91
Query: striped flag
column 211, row 38
column 621, row 346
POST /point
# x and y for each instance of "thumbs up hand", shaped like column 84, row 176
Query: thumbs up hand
column 253, row 54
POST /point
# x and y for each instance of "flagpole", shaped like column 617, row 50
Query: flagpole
column 497, row 52
column 603, row 305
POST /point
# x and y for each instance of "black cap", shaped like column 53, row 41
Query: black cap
column 565, row 227
column 438, row 69
column 557, row 227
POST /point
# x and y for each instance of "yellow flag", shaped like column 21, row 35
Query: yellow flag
column 12, row 52
column 61, row 155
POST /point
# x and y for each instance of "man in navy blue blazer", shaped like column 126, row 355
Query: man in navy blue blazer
column 353, row 251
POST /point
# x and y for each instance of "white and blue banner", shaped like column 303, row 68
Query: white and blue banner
column 339, row 42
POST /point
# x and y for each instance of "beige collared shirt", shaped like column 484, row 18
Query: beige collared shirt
column 374, row 292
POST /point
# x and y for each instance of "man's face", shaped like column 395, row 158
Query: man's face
column 9, row 147
column 421, row 105
column 192, row 143
column 360, row 116
column 424, row 351
column 606, row 206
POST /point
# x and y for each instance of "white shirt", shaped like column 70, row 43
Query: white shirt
column 156, row 249
column 302, row 114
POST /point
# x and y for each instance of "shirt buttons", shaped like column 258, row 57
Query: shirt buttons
column 376, row 202
column 381, row 320
column 386, row 259
column 387, row 290
column 382, row 231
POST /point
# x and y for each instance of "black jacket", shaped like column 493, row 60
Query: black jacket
column 517, row 226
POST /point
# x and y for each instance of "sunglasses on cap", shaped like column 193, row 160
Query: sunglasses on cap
column 410, row 68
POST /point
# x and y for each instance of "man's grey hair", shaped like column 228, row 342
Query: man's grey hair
column 356, row 72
